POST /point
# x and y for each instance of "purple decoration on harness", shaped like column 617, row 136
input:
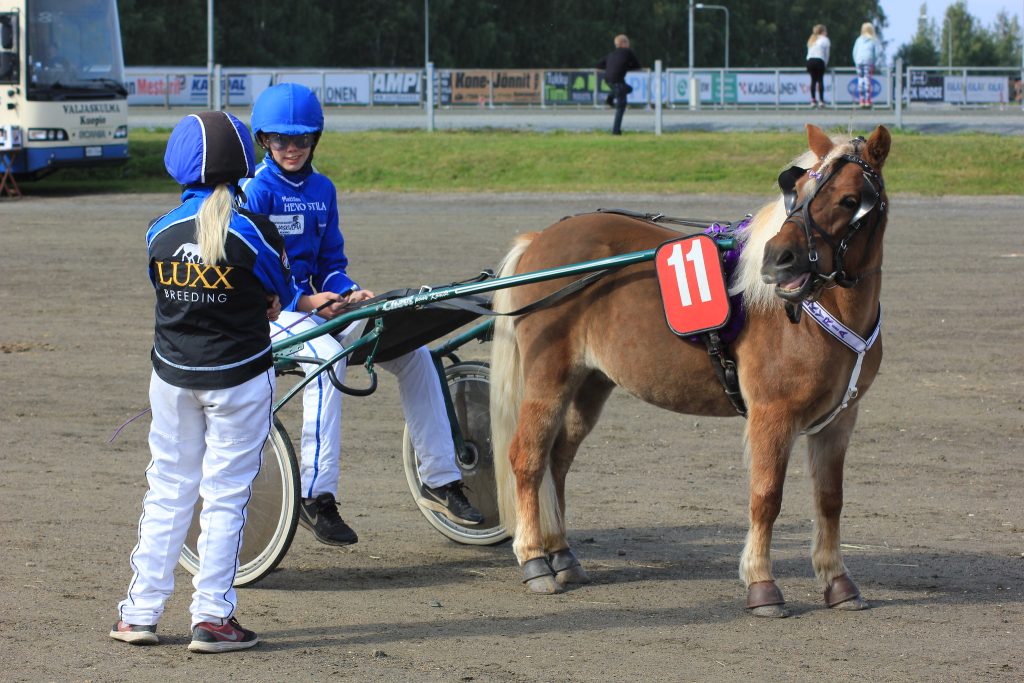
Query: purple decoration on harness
column 730, row 260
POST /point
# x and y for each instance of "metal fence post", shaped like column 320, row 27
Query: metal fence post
column 428, row 88
column 898, row 68
column 215, row 84
column 657, row 97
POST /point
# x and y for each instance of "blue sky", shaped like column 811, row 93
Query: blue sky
column 902, row 15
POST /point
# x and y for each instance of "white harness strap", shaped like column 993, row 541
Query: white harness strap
column 853, row 342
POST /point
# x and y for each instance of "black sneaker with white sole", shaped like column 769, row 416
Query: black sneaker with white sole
column 451, row 502
column 320, row 515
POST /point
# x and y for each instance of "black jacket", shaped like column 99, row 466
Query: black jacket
column 616, row 63
column 211, row 321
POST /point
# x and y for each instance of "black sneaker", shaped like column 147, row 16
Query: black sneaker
column 136, row 634
column 209, row 638
column 451, row 502
column 320, row 515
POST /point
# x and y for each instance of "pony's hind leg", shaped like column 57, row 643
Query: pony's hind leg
column 826, row 455
column 770, row 437
column 579, row 420
column 537, row 509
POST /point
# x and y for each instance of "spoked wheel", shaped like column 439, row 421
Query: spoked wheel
column 469, row 384
column 271, row 516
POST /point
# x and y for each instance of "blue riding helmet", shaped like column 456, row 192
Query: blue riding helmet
column 288, row 109
column 210, row 148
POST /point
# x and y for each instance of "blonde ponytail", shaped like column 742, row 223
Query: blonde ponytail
column 212, row 225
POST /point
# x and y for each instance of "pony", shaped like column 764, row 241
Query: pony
column 553, row 370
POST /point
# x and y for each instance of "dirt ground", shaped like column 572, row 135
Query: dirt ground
column 933, row 524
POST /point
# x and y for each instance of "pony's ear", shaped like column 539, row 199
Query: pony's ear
column 818, row 142
column 878, row 147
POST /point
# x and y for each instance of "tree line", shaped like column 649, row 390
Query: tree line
column 535, row 33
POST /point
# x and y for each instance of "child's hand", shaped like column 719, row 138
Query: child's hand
column 357, row 296
column 273, row 306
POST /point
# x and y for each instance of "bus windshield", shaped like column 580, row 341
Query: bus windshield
column 74, row 50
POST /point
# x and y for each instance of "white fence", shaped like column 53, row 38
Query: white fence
column 718, row 88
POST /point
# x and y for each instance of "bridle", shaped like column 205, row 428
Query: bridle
column 870, row 199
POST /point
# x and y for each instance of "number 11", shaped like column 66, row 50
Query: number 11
column 695, row 256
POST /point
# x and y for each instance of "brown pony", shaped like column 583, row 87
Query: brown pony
column 553, row 370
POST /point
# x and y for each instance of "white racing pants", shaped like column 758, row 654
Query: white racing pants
column 204, row 443
column 422, row 403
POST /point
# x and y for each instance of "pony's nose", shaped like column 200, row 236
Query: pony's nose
column 777, row 261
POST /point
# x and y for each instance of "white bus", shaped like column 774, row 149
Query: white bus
column 62, row 85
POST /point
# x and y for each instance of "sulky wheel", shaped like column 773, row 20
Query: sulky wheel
column 469, row 385
column 271, row 516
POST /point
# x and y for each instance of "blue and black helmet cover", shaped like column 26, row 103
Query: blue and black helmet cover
column 210, row 148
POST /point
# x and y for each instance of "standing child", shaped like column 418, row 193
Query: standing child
column 287, row 120
column 869, row 57
column 219, row 274
column 818, row 46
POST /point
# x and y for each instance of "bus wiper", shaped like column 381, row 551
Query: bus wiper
column 117, row 86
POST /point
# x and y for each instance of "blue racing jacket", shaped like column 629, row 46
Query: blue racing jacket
column 304, row 208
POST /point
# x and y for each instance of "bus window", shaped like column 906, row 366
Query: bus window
column 74, row 49
column 8, row 48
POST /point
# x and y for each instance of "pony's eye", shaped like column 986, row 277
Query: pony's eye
column 849, row 202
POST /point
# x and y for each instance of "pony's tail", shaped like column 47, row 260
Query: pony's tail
column 506, row 398
column 212, row 225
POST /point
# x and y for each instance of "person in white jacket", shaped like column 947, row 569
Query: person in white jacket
column 818, row 47
column 868, row 56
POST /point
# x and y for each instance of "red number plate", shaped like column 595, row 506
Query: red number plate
column 692, row 285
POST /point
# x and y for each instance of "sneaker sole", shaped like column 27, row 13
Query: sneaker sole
column 135, row 637
column 437, row 507
column 220, row 646
column 323, row 539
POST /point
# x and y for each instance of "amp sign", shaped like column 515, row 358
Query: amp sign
column 396, row 87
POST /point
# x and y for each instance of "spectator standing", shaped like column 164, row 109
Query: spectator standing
column 868, row 56
column 615, row 65
column 818, row 46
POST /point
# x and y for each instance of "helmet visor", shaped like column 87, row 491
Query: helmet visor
column 279, row 142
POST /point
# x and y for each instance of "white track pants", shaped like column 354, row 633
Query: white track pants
column 204, row 443
column 422, row 404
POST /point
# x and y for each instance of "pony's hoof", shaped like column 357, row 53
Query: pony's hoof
column 764, row 599
column 539, row 577
column 544, row 585
column 567, row 568
column 572, row 575
column 770, row 611
column 853, row 605
column 843, row 594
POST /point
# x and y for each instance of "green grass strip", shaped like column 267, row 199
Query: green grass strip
column 508, row 161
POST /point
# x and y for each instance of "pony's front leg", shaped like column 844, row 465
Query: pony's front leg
column 537, row 509
column 769, row 441
column 826, row 455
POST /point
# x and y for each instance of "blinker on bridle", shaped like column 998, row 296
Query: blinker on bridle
column 870, row 197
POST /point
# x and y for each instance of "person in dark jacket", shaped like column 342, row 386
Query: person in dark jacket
column 615, row 65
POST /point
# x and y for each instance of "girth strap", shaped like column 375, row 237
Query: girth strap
column 725, row 369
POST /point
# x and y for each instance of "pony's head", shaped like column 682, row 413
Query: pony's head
column 835, row 214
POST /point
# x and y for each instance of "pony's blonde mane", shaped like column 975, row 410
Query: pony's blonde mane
column 765, row 224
